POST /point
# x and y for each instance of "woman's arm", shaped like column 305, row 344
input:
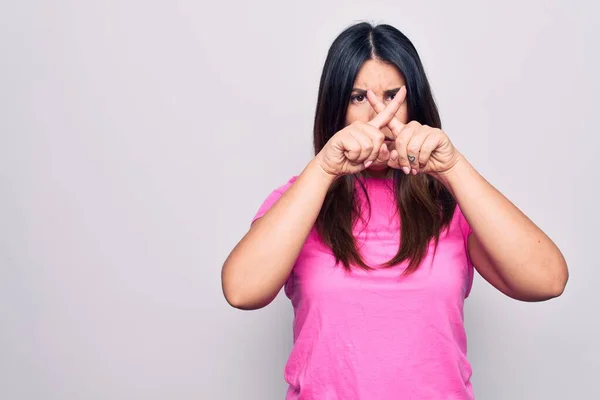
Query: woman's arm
column 506, row 247
column 261, row 262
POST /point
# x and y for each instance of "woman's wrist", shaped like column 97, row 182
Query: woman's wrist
column 316, row 171
column 457, row 173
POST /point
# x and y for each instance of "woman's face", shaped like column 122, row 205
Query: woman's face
column 384, row 80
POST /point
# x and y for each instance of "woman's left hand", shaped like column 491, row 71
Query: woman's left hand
column 418, row 148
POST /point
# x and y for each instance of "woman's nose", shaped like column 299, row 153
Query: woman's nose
column 372, row 112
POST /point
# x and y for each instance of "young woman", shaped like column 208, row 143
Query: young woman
column 376, row 240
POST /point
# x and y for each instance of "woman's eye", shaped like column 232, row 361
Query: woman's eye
column 359, row 98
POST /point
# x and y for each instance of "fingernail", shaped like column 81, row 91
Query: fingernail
column 406, row 170
column 414, row 171
column 368, row 163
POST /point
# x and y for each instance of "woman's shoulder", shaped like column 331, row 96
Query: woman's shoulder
column 282, row 188
column 462, row 222
column 273, row 197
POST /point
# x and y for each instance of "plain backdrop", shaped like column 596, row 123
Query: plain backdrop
column 138, row 139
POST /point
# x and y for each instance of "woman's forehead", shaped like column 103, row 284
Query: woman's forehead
column 377, row 75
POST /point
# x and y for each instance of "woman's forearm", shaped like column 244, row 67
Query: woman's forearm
column 261, row 262
column 522, row 255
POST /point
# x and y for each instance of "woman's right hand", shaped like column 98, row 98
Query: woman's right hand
column 358, row 145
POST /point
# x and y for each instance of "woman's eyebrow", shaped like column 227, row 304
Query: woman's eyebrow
column 388, row 92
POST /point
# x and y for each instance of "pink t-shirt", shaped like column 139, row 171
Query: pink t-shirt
column 371, row 335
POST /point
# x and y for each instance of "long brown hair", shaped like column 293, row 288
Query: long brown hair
column 425, row 206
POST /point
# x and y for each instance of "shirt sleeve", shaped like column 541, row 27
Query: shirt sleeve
column 272, row 198
column 466, row 231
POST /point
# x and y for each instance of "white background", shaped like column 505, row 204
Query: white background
column 138, row 138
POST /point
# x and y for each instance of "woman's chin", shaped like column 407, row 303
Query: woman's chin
column 378, row 166
column 378, row 170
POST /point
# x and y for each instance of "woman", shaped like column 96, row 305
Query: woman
column 376, row 240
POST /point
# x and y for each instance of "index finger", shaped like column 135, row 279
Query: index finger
column 387, row 115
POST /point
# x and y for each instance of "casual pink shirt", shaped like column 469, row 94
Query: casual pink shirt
column 373, row 335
